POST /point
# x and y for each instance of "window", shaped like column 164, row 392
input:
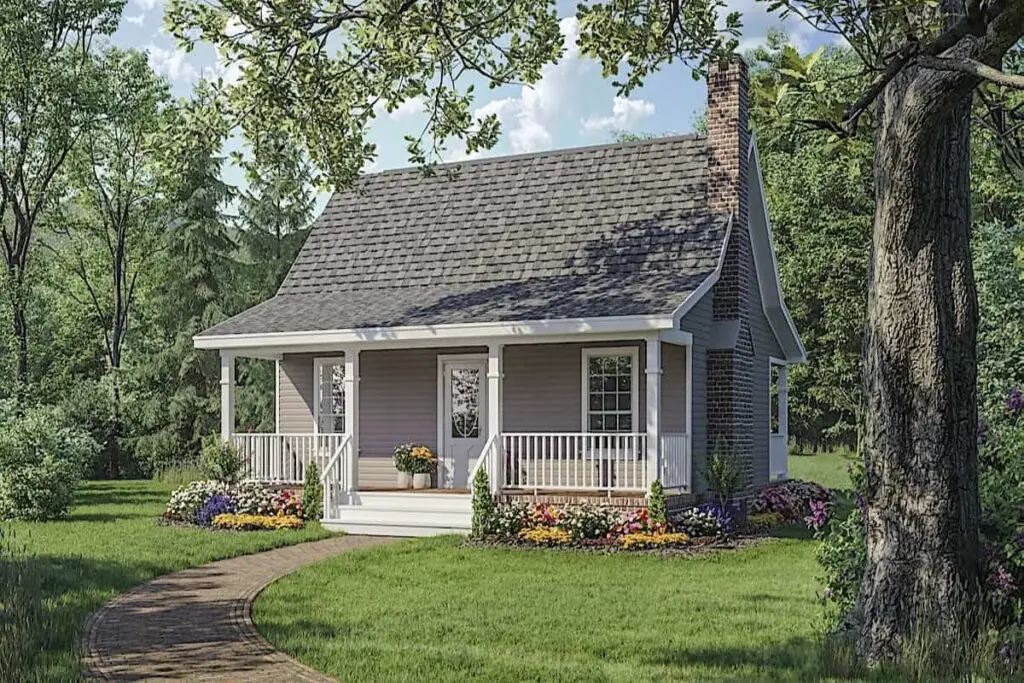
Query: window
column 610, row 392
column 773, row 398
column 329, row 374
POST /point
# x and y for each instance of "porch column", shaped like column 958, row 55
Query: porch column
column 495, row 374
column 227, row 395
column 352, row 417
column 653, row 372
column 783, row 390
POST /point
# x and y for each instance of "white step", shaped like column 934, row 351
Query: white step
column 416, row 502
column 404, row 514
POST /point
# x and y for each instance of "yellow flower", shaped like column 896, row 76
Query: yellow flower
column 254, row 522
column 652, row 540
column 545, row 535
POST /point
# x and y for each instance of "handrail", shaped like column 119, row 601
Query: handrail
column 483, row 457
column 334, row 458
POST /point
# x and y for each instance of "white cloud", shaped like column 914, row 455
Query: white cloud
column 410, row 107
column 147, row 5
column 757, row 21
column 528, row 118
column 626, row 113
column 173, row 63
column 136, row 19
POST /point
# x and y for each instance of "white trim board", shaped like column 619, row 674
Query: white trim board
column 589, row 352
column 525, row 332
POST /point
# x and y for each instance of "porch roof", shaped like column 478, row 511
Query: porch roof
column 614, row 230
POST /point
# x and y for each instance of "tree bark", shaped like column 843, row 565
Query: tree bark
column 920, row 440
column 20, row 323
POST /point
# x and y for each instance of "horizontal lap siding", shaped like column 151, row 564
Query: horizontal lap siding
column 296, row 393
column 698, row 322
column 543, row 389
column 765, row 346
column 673, row 389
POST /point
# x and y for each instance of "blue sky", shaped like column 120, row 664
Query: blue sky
column 571, row 106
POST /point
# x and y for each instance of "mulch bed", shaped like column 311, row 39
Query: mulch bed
column 697, row 547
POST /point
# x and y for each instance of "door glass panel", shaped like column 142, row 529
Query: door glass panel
column 331, row 390
column 465, row 403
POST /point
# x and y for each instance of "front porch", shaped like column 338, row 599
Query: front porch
column 600, row 418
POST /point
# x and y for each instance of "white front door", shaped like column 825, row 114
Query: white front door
column 463, row 420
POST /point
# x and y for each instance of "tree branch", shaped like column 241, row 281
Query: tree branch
column 972, row 67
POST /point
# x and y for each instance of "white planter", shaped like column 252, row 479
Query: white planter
column 421, row 481
column 404, row 480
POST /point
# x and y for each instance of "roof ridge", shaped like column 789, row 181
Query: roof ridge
column 543, row 153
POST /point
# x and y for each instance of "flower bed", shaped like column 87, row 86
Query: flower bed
column 248, row 505
column 793, row 499
column 602, row 527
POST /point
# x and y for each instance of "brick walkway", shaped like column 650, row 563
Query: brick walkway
column 195, row 624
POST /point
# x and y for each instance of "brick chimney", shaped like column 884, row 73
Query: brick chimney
column 730, row 371
column 728, row 120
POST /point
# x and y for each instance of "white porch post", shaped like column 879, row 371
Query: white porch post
column 495, row 371
column 783, row 390
column 227, row 395
column 352, row 417
column 653, row 373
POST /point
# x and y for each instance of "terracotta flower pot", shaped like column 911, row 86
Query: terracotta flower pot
column 421, row 481
column 404, row 480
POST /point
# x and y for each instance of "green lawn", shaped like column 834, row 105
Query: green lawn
column 111, row 543
column 828, row 469
column 433, row 610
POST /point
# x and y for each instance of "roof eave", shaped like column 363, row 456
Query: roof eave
column 439, row 335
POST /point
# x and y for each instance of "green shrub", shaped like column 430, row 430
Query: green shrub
column 312, row 493
column 220, row 460
column 657, row 506
column 41, row 463
column 483, row 504
column 724, row 477
column 23, row 620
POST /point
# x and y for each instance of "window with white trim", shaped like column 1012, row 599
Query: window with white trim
column 610, row 391
column 329, row 374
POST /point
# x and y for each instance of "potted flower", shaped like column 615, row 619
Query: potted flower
column 403, row 463
column 423, row 463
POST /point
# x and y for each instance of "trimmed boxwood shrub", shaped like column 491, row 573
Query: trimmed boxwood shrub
column 312, row 493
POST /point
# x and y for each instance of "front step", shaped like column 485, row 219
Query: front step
column 404, row 514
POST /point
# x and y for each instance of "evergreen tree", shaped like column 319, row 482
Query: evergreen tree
column 179, row 385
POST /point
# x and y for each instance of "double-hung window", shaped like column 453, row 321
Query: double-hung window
column 610, row 390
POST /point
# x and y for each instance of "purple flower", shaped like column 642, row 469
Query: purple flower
column 861, row 503
column 819, row 515
column 219, row 504
column 1016, row 401
column 1001, row 580
column 721, row 515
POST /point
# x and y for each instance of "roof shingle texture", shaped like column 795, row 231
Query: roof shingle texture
column 590, row 232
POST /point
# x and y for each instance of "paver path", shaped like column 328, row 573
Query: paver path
column 195, row 624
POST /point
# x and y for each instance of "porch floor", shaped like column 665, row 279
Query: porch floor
column 392, row 489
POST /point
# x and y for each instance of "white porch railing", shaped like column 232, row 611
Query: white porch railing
column 675, row 461
column 335, row 478
column 575, row 461
column 283, row 457
column 778, row 456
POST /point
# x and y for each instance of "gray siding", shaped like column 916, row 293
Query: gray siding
column 296, row 393
column 398, row 398
column 698, row 322
column 542, row 393
column 673, row 389
column 765, row 346
column 543, row 389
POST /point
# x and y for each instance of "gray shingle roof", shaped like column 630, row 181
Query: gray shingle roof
column 596, row 231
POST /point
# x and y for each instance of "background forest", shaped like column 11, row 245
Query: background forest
column 121, row 241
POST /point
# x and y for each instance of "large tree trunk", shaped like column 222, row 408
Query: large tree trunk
column 920, row 372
